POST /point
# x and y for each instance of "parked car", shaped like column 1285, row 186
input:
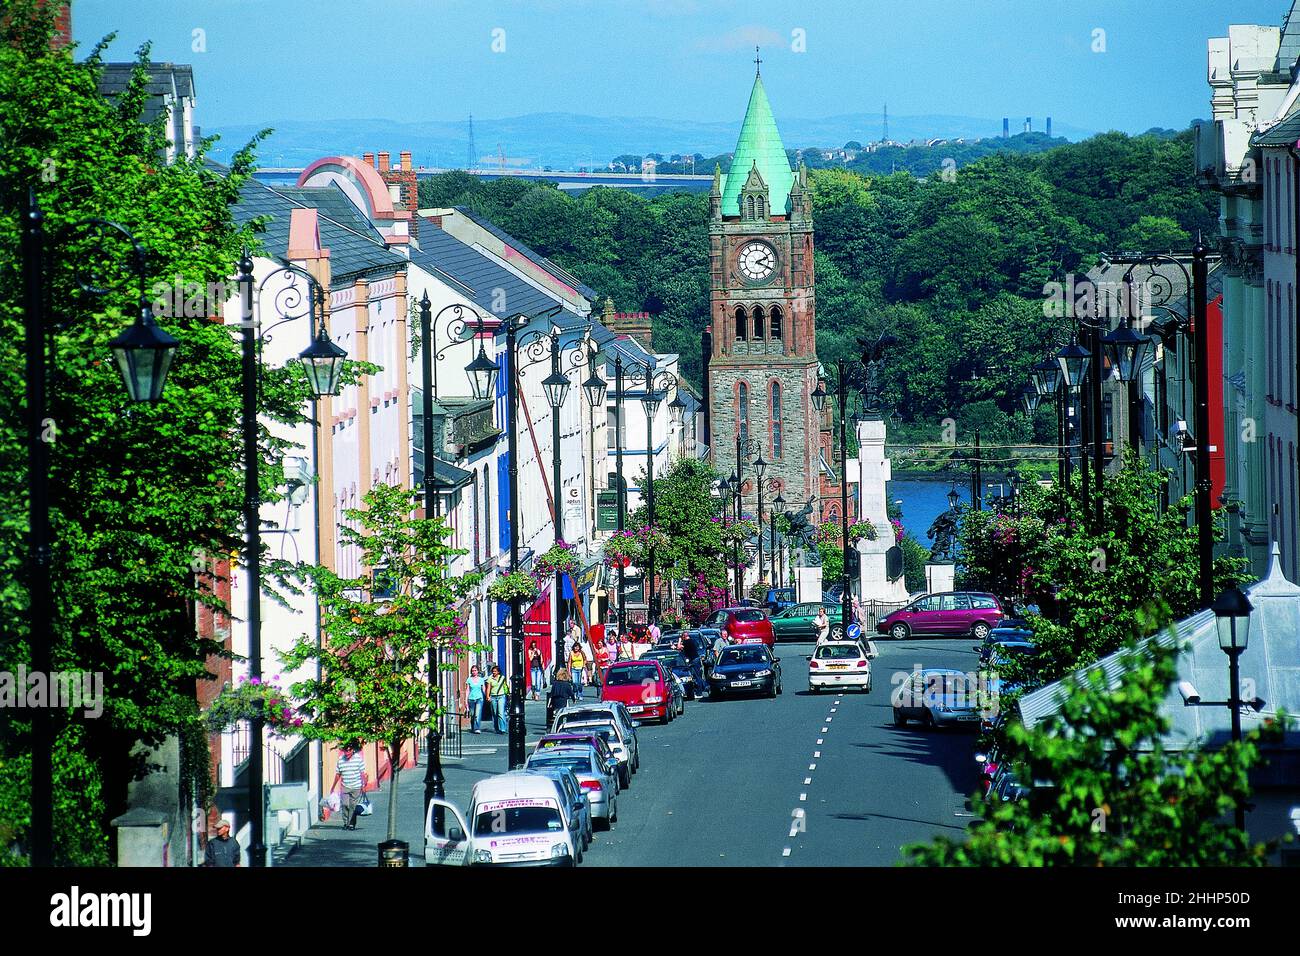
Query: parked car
column 799, row 622
column 839, row 664
column 579, row 806
column 778, row 599
column 675, row 661
column 951, row 613
column 514, row 819
column 604, row 710
column 750, row 668
column 937, row 697
column 645, row 688
column 1002, row 646
column 582, row 738
column 625, row 749
column 599, row 782
column 743, row 625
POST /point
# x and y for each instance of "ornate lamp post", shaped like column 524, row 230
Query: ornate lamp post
column 323, row 361
column 655, row 384
column 778, row 559
column 143, row 353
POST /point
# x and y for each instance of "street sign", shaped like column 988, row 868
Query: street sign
column 607, row 511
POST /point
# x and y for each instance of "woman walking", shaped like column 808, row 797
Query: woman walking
column 562, row 693
column 823, row 625
column 474, row 695
column 536, row 670
column 577, row 665
column 498, row 690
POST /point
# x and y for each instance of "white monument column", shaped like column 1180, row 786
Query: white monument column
column 873, row 472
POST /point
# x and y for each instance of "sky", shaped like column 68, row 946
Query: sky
column 1102, row 64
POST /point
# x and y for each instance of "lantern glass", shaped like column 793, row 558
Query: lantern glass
column 819, row 398
column 556, row 387
column 324, row 363
column 1232, row 616
column 144, row 354
column 595, row 388
column 677, row 409
column 482, row 374
column 760, row 466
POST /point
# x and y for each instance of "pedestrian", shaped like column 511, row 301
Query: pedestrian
column 474, row 694
column 352, row 774
column 625, row 648
column 572, row 637
column 653, row 633
column 589, row 657
column 691, row 651
column 577, row 667
column 536, row 670
column 223, row 849
column 498, row 689
column 562, row 693
column 822, row 624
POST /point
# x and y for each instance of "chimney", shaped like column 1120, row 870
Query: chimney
column 404, row 161
column 1049, row 127
column 62, row 27
column 383, row 162
column 1006, row 127
column 368, row 159
column 403, row 176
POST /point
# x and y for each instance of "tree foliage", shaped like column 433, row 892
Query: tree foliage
column 1106, row 791
column 373, row 683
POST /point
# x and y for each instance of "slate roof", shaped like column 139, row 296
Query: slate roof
column 480, row 276
column 351, row 250
column 759, row 145
column 558, row 272
column 164, row 78
column 1285, row 133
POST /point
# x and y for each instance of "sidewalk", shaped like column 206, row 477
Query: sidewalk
column 485, row 754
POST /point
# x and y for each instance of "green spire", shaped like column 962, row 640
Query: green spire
column 759, row 145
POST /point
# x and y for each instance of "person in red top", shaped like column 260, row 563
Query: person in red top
column 604, row 657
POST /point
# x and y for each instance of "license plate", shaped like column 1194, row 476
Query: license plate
column 839, row 667
column 742, row 683
column 636, row 710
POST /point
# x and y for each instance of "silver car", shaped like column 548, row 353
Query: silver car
column 599, row 783
column 606, row 727
column 600, row 711
column 938, row 697
column 579, row 805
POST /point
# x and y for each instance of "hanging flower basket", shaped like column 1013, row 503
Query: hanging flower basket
column 862, row 530
column 738, row 532
column 622, row 549
column 515, row 586
column 560, row 558
column 248, row 698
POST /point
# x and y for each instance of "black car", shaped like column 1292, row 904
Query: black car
column 675, row 661
column 746, row 668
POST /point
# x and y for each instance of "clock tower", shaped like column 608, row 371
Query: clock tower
column 763, row 367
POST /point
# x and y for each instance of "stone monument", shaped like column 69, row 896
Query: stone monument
column 874, row 583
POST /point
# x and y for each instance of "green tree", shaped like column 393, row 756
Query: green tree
column 1105, row 789
column 686, row 511
column 373, row 683
column 136, row 491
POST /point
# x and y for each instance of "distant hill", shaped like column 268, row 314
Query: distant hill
column 570, row 140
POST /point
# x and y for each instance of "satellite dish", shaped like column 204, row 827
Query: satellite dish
column 894, row 563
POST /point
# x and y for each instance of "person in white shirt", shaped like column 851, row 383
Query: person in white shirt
column 823, row 625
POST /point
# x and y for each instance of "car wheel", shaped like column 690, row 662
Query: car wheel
column 837, row 632
column 625, row 778
column 780, row 688
column 813, row 689
column 613, row 816
column 899, row 632
column 868, row 689
column 927, row 719
column 900, row 719
column 771, row 692
column 980, row 631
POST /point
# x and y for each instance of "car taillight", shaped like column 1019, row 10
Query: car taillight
column 590, row 784
column 813, row 665
column 862, row 663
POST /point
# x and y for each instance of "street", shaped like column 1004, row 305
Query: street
column 805, row 779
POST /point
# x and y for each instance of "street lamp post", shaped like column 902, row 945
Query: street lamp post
column 778, row 559
column 654, row 384
column 760, row 466
column 746, row 448
column 323, row 361
column 1232, row 618
column 144, row 354
column 434, row 780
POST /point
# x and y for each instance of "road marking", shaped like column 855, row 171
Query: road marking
column 803, row 797
column 812, row 766
column 807, row 780
column 817, row 753
column 824, row 729
column 829, row 719
column 819, row 739
column 786, row 851
column 834, row 709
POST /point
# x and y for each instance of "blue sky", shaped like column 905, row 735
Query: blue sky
column 411, row 60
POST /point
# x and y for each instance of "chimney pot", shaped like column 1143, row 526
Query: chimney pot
column 383, row 162
column 368, row 159
column 405, row 160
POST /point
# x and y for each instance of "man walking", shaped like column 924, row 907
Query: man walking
column 692, row 651
column 352, row 774
column 223, row 850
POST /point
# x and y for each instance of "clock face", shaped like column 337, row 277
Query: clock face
column 757, row 261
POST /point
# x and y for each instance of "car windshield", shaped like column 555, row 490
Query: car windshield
column 494, row 820
column 577, row 716
column 838, row 652
column 749, row 616
column 605, row 731
column 631, row 675
column 743, row 655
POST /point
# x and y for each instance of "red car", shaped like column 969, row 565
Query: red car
column 743, row 625
column 643, row 687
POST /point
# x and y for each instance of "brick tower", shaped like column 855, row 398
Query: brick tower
column 763, row 368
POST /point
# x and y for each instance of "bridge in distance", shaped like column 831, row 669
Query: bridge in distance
column 566, row 180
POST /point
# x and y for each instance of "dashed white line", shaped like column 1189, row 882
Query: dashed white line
column 819, row 740
column 812, row 766
column 834, row 709
column 824, row 729
column 817, row 753
column 785, row 852
column 803, row 798
column 807, row 780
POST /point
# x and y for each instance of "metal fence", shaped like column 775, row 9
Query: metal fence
column 875, row 611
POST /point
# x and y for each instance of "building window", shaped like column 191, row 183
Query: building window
column 741, row 324
column 742, row 412
column 775, row 318
column 758, row 323
column 749, row 207
column 776, row 419
column 615, row 435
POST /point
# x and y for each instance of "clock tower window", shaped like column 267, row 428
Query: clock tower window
column 774, row 330
column 741, row 323
column 758, row 323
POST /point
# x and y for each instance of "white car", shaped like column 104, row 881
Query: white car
column 515, row 819
column 839, row 664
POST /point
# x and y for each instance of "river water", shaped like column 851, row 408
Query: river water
column 923, row 500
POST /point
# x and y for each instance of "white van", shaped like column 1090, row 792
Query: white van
column 515, row 819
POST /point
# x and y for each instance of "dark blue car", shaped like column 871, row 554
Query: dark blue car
column 746, row 668
column 676, row 662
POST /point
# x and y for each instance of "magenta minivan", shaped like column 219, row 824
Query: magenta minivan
column 950, row 614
